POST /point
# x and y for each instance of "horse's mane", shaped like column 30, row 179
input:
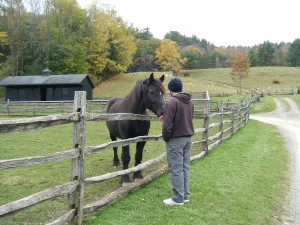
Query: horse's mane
column 161, row 86
column 138, row 88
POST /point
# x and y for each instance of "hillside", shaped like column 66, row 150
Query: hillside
column 216, row 81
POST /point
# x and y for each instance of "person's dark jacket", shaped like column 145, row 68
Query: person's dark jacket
column 178, row 117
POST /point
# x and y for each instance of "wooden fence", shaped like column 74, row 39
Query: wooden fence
column 276, row 92
column 216, row 128
column 39, row 108
column 35, row 108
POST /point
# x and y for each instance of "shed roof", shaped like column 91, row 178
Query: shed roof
column 44, row 80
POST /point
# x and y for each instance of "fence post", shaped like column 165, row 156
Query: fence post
column 77, row 171
column 7, row 107
column 206, row 124
column 221, row 123
column 232, row 121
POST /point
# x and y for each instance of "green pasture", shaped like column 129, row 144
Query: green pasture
column 240, row 182
column 216, row 81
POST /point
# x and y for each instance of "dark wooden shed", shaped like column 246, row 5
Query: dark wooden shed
column 46, row 87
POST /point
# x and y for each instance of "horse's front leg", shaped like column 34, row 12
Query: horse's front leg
column 116, row 161
column 125, row 159
column 138, row 159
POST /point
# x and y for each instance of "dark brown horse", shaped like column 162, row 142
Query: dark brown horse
column 147, row 94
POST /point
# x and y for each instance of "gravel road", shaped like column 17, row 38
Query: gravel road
column 286, row 118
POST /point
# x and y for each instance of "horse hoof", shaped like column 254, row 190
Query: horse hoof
column 115, row 167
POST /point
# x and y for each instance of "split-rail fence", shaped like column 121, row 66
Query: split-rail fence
column 225, row 123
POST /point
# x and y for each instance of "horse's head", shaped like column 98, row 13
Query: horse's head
column 154, row 91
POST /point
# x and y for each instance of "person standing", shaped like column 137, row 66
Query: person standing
column 177, row 132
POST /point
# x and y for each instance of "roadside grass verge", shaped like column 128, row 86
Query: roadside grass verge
column 265, row 104
column 296, row 98
column 240, row 182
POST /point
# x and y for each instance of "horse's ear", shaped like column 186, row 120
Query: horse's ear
column 162, row 78
column 151, row 77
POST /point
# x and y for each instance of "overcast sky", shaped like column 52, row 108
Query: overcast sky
column 221, row 22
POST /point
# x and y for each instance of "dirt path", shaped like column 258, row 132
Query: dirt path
column 287, row 118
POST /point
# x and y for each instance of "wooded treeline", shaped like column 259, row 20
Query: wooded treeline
column 67, row 39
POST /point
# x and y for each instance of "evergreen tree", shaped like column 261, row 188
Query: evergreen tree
column 293, row 57
column 266, row 53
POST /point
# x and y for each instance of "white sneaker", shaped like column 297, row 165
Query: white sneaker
column 186, row 200
column 170, row 201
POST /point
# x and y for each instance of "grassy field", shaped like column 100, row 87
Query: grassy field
column 216, row 81
column 220, row 191
column 231, row 186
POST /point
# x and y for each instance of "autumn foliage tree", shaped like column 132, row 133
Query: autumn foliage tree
column 240, row 68
column 168, row 56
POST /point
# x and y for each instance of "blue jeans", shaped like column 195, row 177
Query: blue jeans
column 178, row 157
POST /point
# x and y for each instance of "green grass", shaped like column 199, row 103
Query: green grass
column 296, row 98
column 216, row 81
column 232, row 185
column 240, row 182
column 267, row 103
column 21, row 182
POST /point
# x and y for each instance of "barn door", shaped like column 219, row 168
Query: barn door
column 49, row 94
column 43, row 94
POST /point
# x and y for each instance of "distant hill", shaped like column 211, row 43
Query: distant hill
column 216, row 81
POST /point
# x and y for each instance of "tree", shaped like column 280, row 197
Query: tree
column 240, row 68
column 12, row 12
column 281, row 51
column 253, row 58
column 65, row 35
column 168, row 56
column 5, row 66
column 193, row 56
column 266, row 53
column 293, row 57
column 144, row 58
column 122, row 46
column 96, row 42
column 3, row 44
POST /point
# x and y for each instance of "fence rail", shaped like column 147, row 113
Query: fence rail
column 39, row 108
column 225, row 123
column 36, row 108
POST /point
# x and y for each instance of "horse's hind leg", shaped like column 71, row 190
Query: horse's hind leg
column 138, row 159
column 116, row 160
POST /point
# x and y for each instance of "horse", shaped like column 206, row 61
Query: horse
column 146, row 94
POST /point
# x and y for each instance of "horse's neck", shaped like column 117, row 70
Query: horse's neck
column 135, row 101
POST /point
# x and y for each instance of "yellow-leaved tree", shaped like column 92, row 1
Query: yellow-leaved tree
column 240, row 68
column 168, row 56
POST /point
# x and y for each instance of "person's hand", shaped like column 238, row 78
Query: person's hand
column 161, row 118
